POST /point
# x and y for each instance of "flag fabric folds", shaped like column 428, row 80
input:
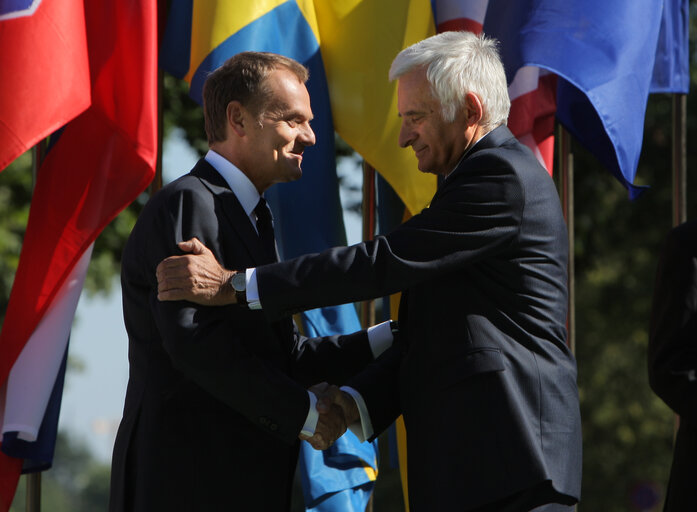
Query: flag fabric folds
column 45, row 72
column 592, row 63
column 341, row 478
column 307, row 213
column 103, row 159
column 603, row 56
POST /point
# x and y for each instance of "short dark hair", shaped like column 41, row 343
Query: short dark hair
column 242, row 78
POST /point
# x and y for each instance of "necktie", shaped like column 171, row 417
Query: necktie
column 265, row 229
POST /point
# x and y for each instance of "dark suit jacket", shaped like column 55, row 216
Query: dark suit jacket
column 212, row 412
column 672, row 356
column 482, row 372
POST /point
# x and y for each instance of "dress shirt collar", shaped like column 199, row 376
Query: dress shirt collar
column 245, row 191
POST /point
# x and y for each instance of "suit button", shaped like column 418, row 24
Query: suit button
column 273, row 427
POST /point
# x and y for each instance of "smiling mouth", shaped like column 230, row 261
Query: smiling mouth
column 298, row 157
column 420, row 151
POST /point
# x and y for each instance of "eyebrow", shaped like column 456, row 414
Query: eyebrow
column 281, row 110
column 297, row 113
column 414, row 113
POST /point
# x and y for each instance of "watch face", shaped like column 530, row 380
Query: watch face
column 239, row 282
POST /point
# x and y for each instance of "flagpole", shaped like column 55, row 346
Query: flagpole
column 566, row 180
column 368, row 208
column 33, row 480
column 679, row 159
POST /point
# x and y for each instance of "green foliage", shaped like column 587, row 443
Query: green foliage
column 15, row 192
column 180, row 111
column 627, row 430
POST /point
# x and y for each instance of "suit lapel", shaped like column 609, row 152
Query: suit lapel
column 232, row 209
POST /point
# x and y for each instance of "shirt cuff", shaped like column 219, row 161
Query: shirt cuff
column 379, row 338
column 312, row 417
column 252, row 290
column 362, row 429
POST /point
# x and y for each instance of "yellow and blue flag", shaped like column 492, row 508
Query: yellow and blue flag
column 360, row 38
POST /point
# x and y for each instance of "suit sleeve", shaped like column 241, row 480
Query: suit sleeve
column 330, row 359
column 472, row 218
column 673, row 330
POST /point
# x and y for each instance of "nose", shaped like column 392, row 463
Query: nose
column 307, row 136
column 406, row 135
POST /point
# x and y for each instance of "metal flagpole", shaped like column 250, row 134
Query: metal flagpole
column 368, row 210
column 368, row 207
column 566, row 180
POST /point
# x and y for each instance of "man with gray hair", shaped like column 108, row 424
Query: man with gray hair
column 480, row 368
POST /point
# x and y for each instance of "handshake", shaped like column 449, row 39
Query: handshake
column 337, row 410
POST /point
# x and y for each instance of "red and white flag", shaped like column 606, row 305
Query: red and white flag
column 103, row 160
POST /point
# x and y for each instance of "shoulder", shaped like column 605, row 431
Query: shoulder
column 185, row 192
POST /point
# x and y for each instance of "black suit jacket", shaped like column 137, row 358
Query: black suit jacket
column 212, row 410
column 672, row 356
column 482, row 372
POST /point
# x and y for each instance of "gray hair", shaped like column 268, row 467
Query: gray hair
column 458, row 63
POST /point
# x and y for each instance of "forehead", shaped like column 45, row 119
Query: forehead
column 288, row 91
column 414, row 92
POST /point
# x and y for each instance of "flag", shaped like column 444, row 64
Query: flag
column 594, row 60
column 360, row 38
column 603, row 55
column 103, row 159
column 45, row 73
column 307, row 213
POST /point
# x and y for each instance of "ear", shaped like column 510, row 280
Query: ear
column 236, row 116
column 475, row 109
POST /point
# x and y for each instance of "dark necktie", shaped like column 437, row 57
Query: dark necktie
column 265, row 229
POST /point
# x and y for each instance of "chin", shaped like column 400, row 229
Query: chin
column 424, row 169
column 295, row 175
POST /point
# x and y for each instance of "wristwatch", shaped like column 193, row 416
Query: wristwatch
column 239, row 284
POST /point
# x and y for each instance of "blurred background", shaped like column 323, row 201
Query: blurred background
column 628, row 432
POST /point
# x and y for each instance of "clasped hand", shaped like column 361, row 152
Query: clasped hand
column 336, row 411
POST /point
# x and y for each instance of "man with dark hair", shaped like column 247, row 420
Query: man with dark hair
column 217, row 398
column 480, row 369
